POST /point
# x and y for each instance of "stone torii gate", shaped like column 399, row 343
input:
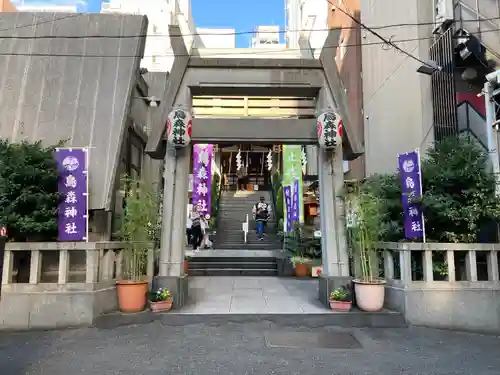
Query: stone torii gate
column 191, row 75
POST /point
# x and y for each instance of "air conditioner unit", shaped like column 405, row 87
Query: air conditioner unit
column 444, row 14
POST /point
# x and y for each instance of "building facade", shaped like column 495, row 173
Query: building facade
column 310, row 20
column 348, row 58
column 397, row 105
column 7, row 6
column 158, row 55
column 266, row 37
column 403, row 109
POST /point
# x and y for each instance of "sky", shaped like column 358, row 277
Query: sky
column 242, row 15
column 91, row 6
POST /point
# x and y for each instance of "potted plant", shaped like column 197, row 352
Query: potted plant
column 301, row 264
column 340, row 300
column 298, row 242
column 186, row 264
column 364, row 232
column 161, row 300
column 141, row 206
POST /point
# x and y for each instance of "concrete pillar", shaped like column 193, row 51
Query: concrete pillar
column 327, row 214
column 178, row 237
column 333, row 233
column 340, row 225
column 168, row 195
column 171, row 271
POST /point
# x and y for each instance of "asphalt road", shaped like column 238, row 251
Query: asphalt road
column 241, row 349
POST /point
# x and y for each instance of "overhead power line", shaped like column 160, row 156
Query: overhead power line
column 235, row 51
column 39, row 22
column 386, row 41
column 118, row 36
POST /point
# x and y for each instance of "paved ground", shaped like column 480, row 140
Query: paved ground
column 246, row 295
column 241, row 349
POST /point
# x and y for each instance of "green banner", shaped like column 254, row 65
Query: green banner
column 293, row 200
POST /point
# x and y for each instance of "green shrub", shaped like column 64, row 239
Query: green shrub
column 29, row 195
column 458, row 194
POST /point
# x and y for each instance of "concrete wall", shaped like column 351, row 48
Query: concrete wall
column 65, row 306
column 396, row 99
column 76, row 91
column 443, row 305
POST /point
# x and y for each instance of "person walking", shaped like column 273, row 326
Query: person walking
column 196, row 230
column 261, row 213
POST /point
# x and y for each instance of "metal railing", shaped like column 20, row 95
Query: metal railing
column 245, row 229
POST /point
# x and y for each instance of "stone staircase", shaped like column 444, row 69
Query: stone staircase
column 233, row 263
column 233, row 208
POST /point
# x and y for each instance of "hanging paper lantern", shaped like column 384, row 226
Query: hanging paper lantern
column 329, row 126
column 179, row 126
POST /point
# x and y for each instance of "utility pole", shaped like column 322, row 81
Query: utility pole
column 492, row 88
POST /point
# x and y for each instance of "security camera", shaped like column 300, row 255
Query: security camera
column 493, row 77
column 153, row 102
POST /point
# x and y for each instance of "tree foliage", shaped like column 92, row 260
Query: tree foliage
column 141, row 225
column 458, row 194
column 29, row 195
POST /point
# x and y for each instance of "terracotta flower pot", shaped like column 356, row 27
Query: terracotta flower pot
column 341, row 306
column 369, row 294
column 301, row 270
column 161, row 305
column 186, row 266
column 132, row 295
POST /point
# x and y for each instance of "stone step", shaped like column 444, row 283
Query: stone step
column 352, row 319
column 248, row 246
column 232, row 265
column 233, row 272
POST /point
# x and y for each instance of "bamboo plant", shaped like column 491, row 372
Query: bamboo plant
column 139, row 227
column 363, row 209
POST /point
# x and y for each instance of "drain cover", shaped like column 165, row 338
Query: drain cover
column 329, row 340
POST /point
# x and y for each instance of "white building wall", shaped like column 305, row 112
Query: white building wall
column 397, row 100
column 267, row 37
column 217, row 38
column 307, row 15
column 158, row 55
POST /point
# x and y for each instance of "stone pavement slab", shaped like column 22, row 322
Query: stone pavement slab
column 258, row 348
column 247, row 295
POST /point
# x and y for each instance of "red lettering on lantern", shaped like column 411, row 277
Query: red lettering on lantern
column 169, row 126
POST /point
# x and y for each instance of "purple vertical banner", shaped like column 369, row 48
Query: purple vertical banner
column 73, row 187
column 409, row 169
column 202, row 177
column 295, row 201
column 287, row 192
